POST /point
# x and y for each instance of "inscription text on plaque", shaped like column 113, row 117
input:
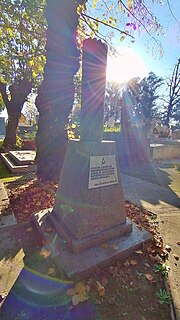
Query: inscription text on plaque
column 102, row 171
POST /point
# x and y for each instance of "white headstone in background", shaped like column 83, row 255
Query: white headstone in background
column 111, row 122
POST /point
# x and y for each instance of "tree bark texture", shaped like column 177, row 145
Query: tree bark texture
column 56, row 94
column 14, row 105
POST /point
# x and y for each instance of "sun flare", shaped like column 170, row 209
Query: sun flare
column 125, row 66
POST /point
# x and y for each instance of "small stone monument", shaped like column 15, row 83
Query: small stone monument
column 89, row 202
column 89, row 207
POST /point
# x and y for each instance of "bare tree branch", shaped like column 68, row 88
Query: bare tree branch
column 107, row 25
column 142, row 24
column 174, row 91
column 172, row 13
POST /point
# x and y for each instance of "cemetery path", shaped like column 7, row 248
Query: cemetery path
column 161, row 198
column 8, row 218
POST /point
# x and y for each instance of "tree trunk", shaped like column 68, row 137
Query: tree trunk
column 168, row 114
column 56, row 95
column 18, row 93
column 11, row 129
column 174, row 91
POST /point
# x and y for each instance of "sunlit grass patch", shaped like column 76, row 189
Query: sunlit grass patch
column 116, row 128
column 6, row 176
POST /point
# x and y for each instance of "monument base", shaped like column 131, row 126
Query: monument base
column 89, row 198
column 75, row 245
column 84, row 262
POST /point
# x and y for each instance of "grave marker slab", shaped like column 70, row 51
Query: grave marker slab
column 22, row 157
column 20, row 161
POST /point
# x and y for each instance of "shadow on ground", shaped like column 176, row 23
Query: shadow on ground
column 152, row 184
column 34, row 293
column 148, row 172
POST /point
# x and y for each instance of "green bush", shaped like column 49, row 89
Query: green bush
column 31, row 135
column 116, row 128
column 1, row 142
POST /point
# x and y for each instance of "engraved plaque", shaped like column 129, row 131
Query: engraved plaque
column 102, row 171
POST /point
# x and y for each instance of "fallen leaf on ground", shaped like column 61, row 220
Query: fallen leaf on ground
column 103, row 281
column 115, row 247
column 88, row 288
column 80, row 287
column 164, row 253
column 4, row 295
column 44, row 253
column 151, row 250
column 133, row 262
column 51, row 271
column 149, row 277
column 175, row 256
column 147, row 265
column 178, row 243
column 100, row 288
column 97, row 301
column 126, row 264
column 159, row 244
column 77, row 298
column 139, row 252
column 70, row 292
column 139, row 226
column 78, row 293
column 155, row 258
column 168, row 248
column 113, row 270
column 29, row 229
column 104, row 245
column 90, row 282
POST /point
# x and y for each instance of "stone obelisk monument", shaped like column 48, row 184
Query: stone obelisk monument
column 89, row 202
column 89, row 207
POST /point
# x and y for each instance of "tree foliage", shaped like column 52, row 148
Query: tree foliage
column 173, row 104
column 125, row 17
column 143, row 95
column 53, row 102
column 22, row 34
column 22, row 57
column 30, row 111
column 113, row 95
column 22, row 40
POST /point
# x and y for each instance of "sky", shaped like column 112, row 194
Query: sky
column 139, row 59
